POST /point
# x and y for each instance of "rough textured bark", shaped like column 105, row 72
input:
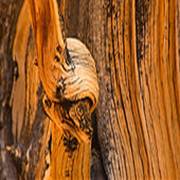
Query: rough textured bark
column 136, row 48
column 8, row 11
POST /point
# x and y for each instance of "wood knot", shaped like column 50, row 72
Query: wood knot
column 78, row 86
column 81, row 82
column 72, row 77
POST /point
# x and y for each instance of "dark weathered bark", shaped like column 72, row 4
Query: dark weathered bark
column 9, row 11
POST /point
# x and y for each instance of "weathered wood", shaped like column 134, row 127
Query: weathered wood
column 136, row 48
column 30, row 124
column 8, row 18
column 68, row 75
column 136, row 45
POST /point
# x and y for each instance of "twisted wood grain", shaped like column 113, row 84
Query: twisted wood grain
column 77, row 90
column 68, row 75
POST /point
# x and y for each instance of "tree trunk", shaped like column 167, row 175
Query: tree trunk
column 136, row 47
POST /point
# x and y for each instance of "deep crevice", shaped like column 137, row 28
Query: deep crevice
column 97, row 166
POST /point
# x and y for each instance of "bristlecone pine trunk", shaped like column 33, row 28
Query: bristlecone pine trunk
column 49, row 89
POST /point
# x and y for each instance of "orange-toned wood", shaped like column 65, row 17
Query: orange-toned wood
column 68, row 76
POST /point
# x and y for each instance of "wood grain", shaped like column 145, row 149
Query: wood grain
column 136, row 48
column 68, row 76
column 136, row 45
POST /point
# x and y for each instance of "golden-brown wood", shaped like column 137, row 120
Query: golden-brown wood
column 68, row 75
column 136, row 48
column 138, row 69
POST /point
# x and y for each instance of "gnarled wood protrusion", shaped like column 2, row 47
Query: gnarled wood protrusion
column 68, row 75
column 72, row 116
column 74, row 88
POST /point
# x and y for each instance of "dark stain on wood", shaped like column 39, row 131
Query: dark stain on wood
column 142, row 10
column 71, row 143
